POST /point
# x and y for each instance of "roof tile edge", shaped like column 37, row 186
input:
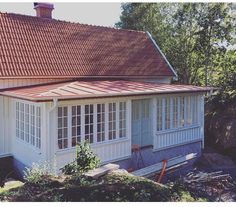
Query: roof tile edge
column 159, row 50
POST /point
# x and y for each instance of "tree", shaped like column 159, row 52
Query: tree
column 215, row 29
column 191, row 35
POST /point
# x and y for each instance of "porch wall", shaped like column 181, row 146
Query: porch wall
column 108, row 151
column 24, row 154
column 116, row 151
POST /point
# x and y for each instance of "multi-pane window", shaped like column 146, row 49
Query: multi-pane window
column 89, row 123
column 28, row 123
column 62, row 127
column 159, row 114
column 32, row 125
column 177, row 111
column 38, row 126
column 76, row 125
column 22, row 120
column 122, row 120
column 112, row 121
column 100, row 122
column 182, row 110
column 195, row 109
column 189, row 110
column 95, row 123
column 167, row 113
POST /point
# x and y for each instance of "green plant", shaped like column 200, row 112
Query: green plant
column 85, row 160
column 37, row 173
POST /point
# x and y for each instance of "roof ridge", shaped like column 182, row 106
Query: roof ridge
column 70, row 22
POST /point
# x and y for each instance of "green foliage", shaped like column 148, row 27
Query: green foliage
column 85, row 160
column 37, row 173
column 193, row 36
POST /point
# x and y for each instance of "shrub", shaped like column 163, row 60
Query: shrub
column 85, row 160
column 37, row 173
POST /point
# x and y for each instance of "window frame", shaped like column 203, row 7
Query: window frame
column 184, row 113
column 95, row 123
column 31, row 133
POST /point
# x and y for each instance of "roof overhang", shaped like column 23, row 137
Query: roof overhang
column 97, row 89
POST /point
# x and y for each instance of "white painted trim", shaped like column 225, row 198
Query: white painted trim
column 177, row 145
column 117, row 119
column 154, row 119
column 177, row 129
column 95, row 123
column 82, row 122
column 158, row 48
column 69, row 126
column 129, row 122
column 163, row 113
column 202, row 122
column 106, row 121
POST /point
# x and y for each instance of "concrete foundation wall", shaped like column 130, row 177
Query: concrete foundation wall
column 151, row 157
column 19, row 168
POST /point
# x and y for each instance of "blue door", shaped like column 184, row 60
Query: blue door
column 141, row 122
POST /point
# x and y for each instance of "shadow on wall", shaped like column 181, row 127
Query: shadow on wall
column 6, row 169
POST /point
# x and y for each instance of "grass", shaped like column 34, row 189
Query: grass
column 112, row 187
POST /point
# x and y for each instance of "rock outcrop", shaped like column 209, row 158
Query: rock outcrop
column 220, row 125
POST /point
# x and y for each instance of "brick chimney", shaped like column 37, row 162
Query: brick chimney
column 44, row 10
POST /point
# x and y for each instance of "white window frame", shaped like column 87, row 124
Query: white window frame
column 32, row 137
column 106, row 132
column 189, row 114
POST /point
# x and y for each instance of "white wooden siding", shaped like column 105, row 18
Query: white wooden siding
column 9, row 83
column 176, row 137
column 107, row 152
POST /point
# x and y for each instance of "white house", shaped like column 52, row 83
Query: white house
column 62, row 82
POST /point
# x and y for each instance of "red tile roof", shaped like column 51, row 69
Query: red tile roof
column 37, row 47
column 96, row 89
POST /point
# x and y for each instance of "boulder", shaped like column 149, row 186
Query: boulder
column 221, row 131
column 98, row 172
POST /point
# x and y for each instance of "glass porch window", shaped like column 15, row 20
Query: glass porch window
column 112, row 121
column 28, row 123
column 100, row 122
column 62, row 127
column 122, row 119
column 76, row 125
column 159, row 114
column 89, row 130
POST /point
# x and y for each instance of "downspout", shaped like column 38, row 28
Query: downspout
column 159, row 50
column 51, row 148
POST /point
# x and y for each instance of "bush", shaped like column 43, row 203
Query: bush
column 37, row 173
column 85, row 160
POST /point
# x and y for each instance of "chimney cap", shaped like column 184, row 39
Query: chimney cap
column 44, row 5
column 43, row 10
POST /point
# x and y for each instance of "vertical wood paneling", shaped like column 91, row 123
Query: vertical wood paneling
column 176, row 137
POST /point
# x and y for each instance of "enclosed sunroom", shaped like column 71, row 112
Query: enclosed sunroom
column 48, row 121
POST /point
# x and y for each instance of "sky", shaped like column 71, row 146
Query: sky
column 104, row 14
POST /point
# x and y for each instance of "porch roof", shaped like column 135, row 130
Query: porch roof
column 96, row 89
